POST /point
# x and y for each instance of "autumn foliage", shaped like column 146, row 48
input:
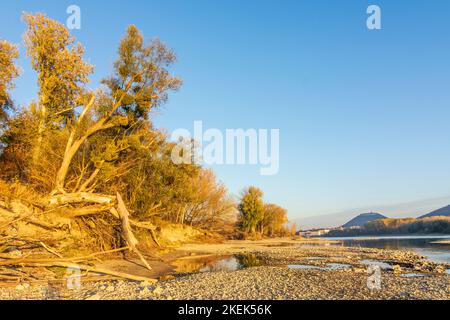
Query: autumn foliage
column 258, row 217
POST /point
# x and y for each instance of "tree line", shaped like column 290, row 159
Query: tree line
column 430, row 225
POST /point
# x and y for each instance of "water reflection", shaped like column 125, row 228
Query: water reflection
column 413, row 275
column 381, row 264
column 247, row 260
column 338, row 266
column 304, row 267
column 215, row 263
column 329, row 266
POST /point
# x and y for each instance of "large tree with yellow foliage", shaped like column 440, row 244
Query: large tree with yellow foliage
column 8, row 71
column 251, row 208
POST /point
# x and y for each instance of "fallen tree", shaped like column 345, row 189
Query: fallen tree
column 20, row 250
column 73, row 263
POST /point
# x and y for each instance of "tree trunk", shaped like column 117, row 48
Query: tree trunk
column 41, row 129
column 86, row 197
column 128, row 233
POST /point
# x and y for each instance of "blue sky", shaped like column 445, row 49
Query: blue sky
column 363, row 115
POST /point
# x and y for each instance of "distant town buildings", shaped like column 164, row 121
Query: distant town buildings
column 313, row 233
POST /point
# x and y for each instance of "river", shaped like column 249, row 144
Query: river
column 423, row 245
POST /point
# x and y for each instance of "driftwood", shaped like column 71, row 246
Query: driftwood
column 80, row 197
column 10, row 278
column 18, row 261
column 50, row 250
column 103, row 203
column 89, row 210
column 68, row 206
column 69, row 263
column 43, row 224
column 127, row 232
column 64, row 264
column 26, row 216
column 148, row 226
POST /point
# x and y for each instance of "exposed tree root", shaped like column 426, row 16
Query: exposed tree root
column 19, row 251
column 75, row 262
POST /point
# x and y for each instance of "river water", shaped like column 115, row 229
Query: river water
column 423, row 245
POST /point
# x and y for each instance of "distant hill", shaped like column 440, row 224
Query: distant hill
column 445, row 211
column 362, row 219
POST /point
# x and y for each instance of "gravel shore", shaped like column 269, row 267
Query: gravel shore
column 408, row 276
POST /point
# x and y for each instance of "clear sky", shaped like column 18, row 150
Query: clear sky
column 363, row 115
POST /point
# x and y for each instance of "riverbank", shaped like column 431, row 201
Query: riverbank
column 269, row 269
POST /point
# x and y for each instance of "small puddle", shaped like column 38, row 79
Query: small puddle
column 329, row 266
column 447, row 271
column 381, row 264
column 304, row 267
column 226, row 264
column 413, row 275
column 215, row 263
column 338, row 266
